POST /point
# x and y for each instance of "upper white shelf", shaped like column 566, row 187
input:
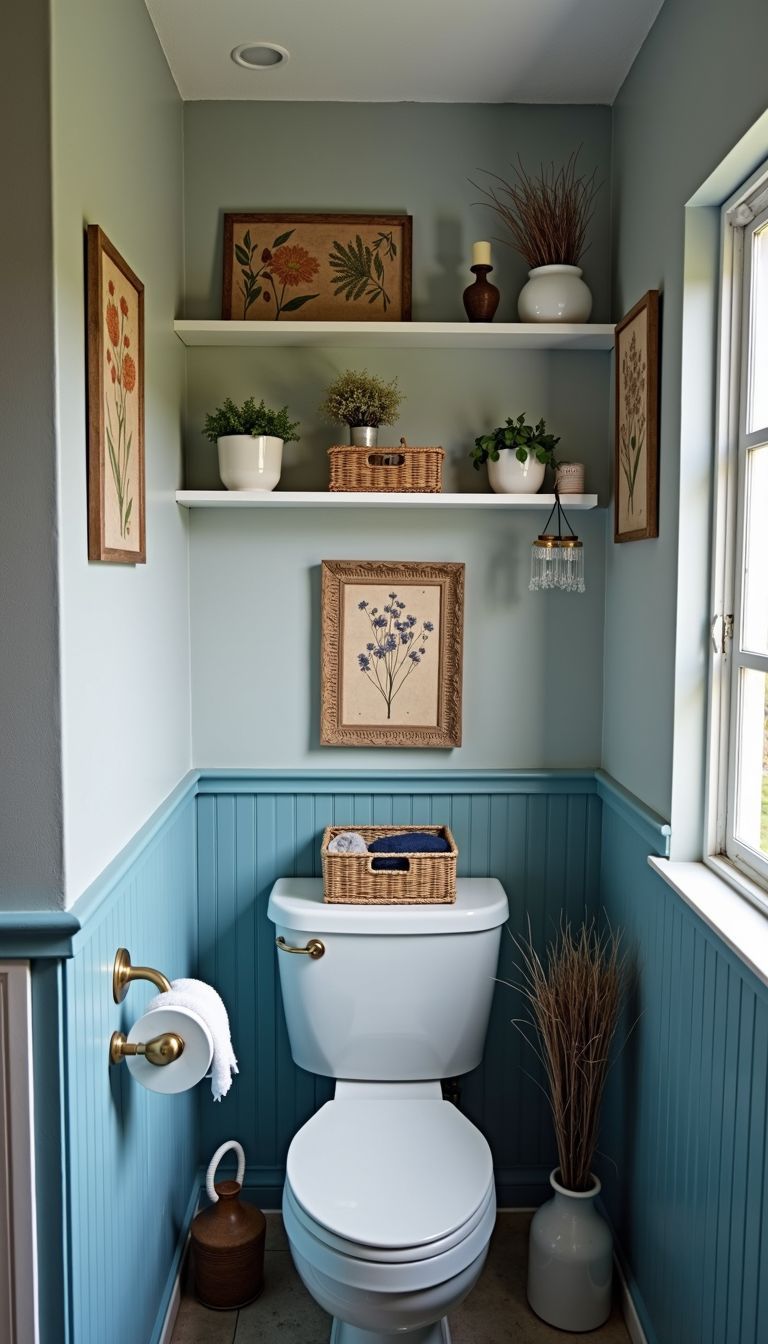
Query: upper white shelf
column 309, row 499
column 402, row 335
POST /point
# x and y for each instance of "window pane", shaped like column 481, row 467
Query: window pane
column 757, row 410
column 755, row 617
column 752, row 761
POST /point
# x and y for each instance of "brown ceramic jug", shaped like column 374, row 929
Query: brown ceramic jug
column 228, row 1242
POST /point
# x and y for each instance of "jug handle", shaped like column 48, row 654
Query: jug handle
column 214, row 1162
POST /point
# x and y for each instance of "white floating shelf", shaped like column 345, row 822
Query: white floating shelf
column 402, row 335
column 316, row 499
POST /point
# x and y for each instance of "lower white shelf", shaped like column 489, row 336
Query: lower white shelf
column 324, row 499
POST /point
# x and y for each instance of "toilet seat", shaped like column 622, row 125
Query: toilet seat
column 390, row 1181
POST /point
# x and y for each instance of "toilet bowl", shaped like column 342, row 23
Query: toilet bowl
column 388, row 1207
column 389, row 1200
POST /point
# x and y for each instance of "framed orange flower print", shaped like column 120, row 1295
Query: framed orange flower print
column 116, row 489
column 317, row 268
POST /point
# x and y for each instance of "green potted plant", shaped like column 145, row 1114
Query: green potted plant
column 250, row 442
column 517, row 455
column 362, row 401
column 547, row 219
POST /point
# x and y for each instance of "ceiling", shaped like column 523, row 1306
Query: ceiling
column 426, row 51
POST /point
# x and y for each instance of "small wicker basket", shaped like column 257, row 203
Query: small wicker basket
column 402, row 469
column 351, row 879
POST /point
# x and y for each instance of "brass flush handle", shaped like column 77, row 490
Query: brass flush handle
column 314, row 949
column 161, row 1050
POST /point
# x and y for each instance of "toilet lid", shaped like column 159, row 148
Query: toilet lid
column 390, row 1174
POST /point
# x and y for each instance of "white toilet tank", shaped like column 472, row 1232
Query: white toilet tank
column 400, row 993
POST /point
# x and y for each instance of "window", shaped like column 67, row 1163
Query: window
column 740, row 627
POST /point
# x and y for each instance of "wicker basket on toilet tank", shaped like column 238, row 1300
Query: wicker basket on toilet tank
column 352, row 879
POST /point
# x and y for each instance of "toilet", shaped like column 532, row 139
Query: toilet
column 389, row 1198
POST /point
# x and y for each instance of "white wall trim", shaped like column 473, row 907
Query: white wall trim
column 18, row 1240
column 166, row 1334
column 628, row 1309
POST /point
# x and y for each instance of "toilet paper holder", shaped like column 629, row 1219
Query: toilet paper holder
column 161, row 1050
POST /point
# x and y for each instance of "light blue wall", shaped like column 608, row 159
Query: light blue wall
column 540, row 835
column 684, row 1142
column 532, row 665
column 117, row 162
column 696, row 87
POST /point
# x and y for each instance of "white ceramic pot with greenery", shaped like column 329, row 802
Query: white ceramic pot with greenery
column 547, row 218
column 574, row 997
column 517, row 455
column 363, row 402
column 250, row 440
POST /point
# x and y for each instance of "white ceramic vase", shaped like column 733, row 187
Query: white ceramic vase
column 248, row 462
column 555, row 294
column 570, row 1260
column 509, row 476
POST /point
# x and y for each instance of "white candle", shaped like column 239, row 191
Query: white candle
column 481, row 254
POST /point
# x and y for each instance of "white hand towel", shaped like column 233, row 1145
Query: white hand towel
column 204, row 1001
column 348, row 842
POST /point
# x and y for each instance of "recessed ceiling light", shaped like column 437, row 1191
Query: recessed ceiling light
column 260, row 55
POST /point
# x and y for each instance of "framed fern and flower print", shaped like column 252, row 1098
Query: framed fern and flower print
column 116, row 490
column 321, row 268
column 636, row 476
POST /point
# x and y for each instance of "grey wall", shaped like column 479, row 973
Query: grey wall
column 117, row 155
column 532, row 668
column 30, row 723
column 696, row 87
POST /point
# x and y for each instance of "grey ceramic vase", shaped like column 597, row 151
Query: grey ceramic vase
column 570, row 1260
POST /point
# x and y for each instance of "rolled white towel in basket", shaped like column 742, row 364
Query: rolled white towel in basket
column 348, row 842
column 204, row 1000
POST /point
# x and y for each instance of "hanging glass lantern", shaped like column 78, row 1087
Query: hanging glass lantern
column 557, row 561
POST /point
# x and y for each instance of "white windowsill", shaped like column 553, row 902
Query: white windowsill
column 732, row 916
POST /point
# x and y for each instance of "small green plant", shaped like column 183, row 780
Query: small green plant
column 250, row 419
column 359, row 398
column 523, row 439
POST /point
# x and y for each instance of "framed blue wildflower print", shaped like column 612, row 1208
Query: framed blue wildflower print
column 391, row 653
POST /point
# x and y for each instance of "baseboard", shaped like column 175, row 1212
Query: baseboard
column 171, row 1297
column 628, row 1309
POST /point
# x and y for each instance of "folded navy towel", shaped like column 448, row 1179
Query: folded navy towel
column 409, row 842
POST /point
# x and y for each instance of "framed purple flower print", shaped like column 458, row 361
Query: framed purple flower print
column 391, row 653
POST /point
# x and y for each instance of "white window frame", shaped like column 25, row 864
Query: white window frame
column 741, row 215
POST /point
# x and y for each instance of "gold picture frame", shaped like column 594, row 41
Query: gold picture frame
column 116, row 469
column 391, row 644
column 636, row 449
column 317, row 268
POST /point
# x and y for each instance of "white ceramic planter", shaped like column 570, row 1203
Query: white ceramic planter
column 248, row 463
column 508, row 476
column 570, row 1260
column 555, row 294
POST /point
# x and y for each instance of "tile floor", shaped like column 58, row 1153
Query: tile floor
column 495, row 1313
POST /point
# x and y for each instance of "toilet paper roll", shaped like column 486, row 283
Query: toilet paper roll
column 192, row 1065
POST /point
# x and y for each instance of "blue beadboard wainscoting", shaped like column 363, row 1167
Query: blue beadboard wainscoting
column 685, row 1119
column 117, row 1165
column 684, row 1139
column 538, row 832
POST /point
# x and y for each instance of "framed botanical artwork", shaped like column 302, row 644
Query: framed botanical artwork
column 391, row 649
column 636, row 449
column 116, row 490
column 322, row 268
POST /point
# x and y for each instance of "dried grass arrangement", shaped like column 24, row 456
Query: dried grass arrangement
column 548, row 215
column 574, row 1002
